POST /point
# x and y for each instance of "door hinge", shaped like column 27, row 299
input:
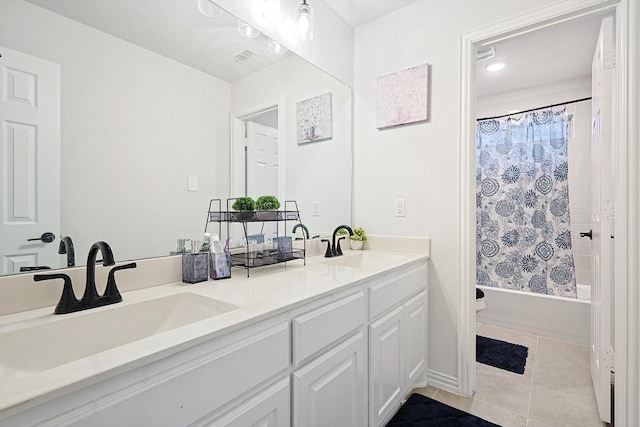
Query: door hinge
column 609, row 60
column 608, row 211
column 608, row 360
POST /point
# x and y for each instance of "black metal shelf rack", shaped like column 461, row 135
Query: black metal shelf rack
column 250, row 259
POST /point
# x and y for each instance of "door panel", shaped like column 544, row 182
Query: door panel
column 30, row 165
column 263, row 163
column 602, row 218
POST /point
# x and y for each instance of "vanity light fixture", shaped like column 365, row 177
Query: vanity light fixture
column 276, row 48
column 208, row 8
column 247, row 30
column 273, row 11
column 304, row 26
column 495, row 66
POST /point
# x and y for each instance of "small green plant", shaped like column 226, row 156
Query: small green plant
column 359, row 234
column 244, row 204
column 267, row 203
column 342, row 231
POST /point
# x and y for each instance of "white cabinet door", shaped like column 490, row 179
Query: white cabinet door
column 270, row 408
column 386, row 374
column 415, row 355
column 330, row 391
column 397, row 356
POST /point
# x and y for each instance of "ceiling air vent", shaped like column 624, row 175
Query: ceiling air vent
column 244, row 56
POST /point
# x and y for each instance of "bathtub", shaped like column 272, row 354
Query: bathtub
column 565, row 318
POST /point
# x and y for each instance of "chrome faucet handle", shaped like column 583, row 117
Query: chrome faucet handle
column 68, row 301
column 329, row 252
column 111, row 291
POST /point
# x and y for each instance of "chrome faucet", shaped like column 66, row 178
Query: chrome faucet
column 69, row 303
column 66, row 247
column 304, row 229
column 334, row 249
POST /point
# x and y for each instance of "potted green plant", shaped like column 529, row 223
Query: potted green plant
column 266, row 207
column 357, row 239
column 245, row 207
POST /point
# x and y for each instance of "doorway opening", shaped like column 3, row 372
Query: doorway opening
column 257, row 160
column 471, row 44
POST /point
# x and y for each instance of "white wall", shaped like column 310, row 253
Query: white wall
column 134, row 126
column 332, row 46
column 579, row 152
column 420, row 162
column 318, row 171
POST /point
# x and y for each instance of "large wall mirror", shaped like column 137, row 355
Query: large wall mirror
column 143, row 103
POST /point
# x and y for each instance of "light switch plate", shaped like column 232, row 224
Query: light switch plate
column 193, row 183
column 315, row 209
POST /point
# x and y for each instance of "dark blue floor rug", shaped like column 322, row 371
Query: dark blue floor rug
column 501, row 354
column 421, row 411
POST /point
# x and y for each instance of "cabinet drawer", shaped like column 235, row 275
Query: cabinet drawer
column 391, row 292
column 193, row 387
column 318, row 328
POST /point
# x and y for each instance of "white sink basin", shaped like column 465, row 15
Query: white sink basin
column 360, row 259
column 66, row 338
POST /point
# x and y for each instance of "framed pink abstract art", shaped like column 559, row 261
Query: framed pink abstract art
column 403, row 97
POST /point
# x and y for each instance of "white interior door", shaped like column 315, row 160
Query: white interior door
column 263, row 163
column 263, row 160
column 602, row 218
column 30, row 162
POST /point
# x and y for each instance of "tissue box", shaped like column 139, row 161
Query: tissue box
column 220, row 265
column 285, row 248
column 195, row 267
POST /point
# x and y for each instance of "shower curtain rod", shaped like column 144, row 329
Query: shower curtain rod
column 534, row 109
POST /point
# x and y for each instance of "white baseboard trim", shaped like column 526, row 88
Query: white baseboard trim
column 442, row 381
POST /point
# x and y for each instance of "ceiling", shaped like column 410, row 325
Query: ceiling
column 557, row 53
column 358, row 12
column 177, row 29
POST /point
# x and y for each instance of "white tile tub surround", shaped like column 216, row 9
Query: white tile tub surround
column 564, row 318
column 579, row 145
column 584, row 292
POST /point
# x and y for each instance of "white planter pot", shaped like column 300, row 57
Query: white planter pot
column 356, row 245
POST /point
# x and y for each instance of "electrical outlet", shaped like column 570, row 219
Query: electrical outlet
column 315, row 210
column 399, row 207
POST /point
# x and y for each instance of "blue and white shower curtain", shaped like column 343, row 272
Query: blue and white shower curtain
column 522, row 199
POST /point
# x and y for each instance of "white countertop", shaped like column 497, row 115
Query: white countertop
column 268, row 292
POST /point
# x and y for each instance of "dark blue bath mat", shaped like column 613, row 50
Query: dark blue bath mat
column 421, row 411
column 501, row 354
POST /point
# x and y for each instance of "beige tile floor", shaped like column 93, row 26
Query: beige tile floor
column 554, row 391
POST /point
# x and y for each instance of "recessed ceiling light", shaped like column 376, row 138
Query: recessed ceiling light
column 275, row 47
column 247, row 30
column 208, row 8
column 496, row 66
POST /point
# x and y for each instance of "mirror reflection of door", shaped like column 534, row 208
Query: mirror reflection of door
column 262, row 162
column 256, row 163
column 30, row 161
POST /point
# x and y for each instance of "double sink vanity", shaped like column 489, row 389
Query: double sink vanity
column 336, row 342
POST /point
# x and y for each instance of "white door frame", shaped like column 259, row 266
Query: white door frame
column 627, row 230
column 236, row 180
